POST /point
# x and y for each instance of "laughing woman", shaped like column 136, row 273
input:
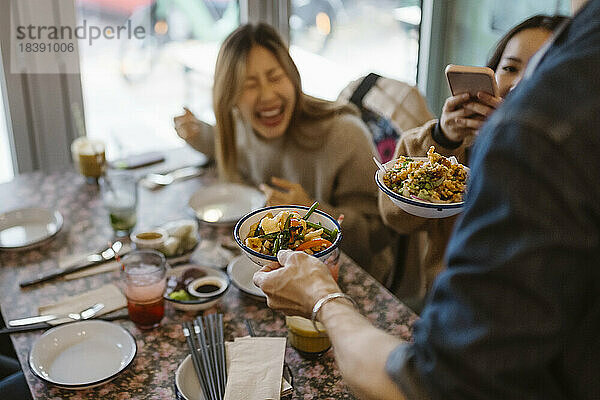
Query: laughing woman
column 296, row 147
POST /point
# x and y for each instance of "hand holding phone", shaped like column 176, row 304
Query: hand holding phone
column 465, row 112
column 468, row 79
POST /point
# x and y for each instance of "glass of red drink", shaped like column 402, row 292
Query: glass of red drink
column 145, row 282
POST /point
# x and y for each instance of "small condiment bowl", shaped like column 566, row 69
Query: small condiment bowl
column 149, row 239
column 302, row 335
column 207, row 287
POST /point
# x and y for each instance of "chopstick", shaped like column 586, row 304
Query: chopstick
column 206, row 342
column 212, row 336
column 187, row 332
column 207, row 371
column 221, row 343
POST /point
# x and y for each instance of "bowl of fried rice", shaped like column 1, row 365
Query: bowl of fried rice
column 428, row 187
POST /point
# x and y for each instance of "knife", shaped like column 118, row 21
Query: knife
column 90, row 261
column 85, row 314
column 45, row 325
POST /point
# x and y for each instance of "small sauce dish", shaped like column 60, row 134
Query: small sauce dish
column 149, row 239
column 208, row 286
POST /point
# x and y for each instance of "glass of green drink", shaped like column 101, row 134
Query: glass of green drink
column 119, row 194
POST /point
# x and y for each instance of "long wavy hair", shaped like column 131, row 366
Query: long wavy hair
column 230, row 73
column 550, row 23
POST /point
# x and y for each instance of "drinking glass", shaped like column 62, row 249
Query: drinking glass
column 119, row 194
column 89, row 158
column 144, row 276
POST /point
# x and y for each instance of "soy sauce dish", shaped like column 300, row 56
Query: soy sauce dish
column 207, row 287
column 195, row 287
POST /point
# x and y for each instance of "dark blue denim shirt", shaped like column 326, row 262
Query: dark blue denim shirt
column 516, row 315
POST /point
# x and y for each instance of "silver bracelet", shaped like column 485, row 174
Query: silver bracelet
column 324, row 300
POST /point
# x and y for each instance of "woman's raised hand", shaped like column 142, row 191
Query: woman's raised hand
column 295, row 284
column 186, row 125
column 463, row 116
column 284, row 192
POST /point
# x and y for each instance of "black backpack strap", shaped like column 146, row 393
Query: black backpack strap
column 363, row 88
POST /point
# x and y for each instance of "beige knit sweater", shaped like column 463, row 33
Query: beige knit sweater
column 427, row 237
column 332, row 160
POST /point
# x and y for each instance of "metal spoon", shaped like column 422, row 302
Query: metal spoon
column 153, row 181
column 380, row 165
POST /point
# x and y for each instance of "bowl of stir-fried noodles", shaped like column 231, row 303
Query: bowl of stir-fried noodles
column 262, row 233
column 428, row 187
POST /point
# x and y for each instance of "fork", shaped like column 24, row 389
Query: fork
column 84, row 314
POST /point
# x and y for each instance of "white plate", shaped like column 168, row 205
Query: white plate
column 83, row 354
column 225, row 203
column 187, row 385
column 417, row 207
column 241, row 270
column 27, row 228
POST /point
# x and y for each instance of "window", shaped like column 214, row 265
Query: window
column 132, row 89
column 6, row 167
column 336, row 41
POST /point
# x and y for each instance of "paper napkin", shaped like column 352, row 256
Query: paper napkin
column 255, row 368
column 109, row 295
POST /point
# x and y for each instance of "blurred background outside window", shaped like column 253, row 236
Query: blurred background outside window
column 337, row 41
column 132, row 89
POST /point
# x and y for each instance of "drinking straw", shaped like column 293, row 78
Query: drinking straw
column 187, row 328
column 209, row 371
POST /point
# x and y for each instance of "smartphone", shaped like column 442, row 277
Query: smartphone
column 468, row 79
column 138, row 160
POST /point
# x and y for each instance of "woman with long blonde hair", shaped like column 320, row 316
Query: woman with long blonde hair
column 297, row 148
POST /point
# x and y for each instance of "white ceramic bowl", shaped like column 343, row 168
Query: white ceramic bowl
column 225, row 203
column 187, row 385
column 416, row 207
column 27, row 228
column 242, row 228
column 83, row 354
column 200, row 304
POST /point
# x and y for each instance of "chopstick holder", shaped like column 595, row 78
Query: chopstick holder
column 109, row 295
column 255, row 368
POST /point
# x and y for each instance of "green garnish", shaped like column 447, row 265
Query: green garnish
column 181, row 295
column 310, row 210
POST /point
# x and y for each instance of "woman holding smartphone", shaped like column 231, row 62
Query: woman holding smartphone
column 296, row 147
column 452, row 135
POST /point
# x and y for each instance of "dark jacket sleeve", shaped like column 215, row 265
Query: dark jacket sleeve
column 521, row 275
